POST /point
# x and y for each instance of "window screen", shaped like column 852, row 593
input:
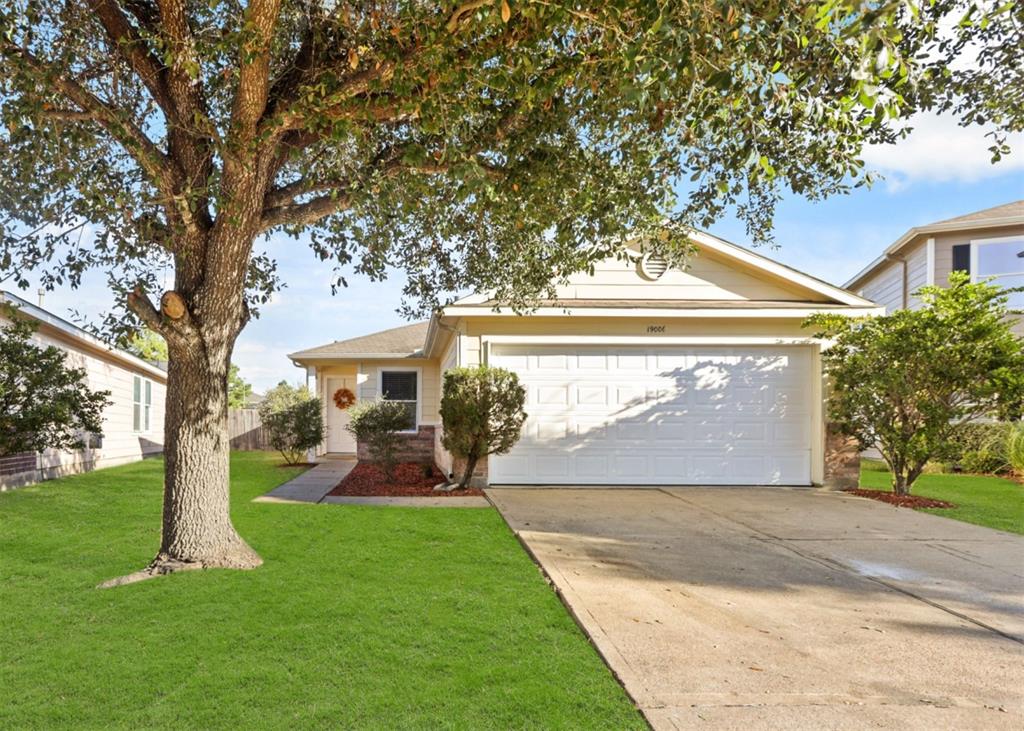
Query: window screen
column 402, row 386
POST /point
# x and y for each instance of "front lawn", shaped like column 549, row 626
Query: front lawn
column 362, row 617
column 993, row 502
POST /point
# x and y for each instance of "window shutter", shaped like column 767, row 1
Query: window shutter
column 962, row 258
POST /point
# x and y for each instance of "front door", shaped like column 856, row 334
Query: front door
column 338, row 437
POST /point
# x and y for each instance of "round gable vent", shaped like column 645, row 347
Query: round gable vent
column 652, row 266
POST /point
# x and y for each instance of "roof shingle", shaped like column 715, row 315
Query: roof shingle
column 405, row 341
column 1007, row 210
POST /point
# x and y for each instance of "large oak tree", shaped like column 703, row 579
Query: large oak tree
column 492, row 144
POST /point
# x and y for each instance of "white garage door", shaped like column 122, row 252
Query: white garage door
column 660, row 416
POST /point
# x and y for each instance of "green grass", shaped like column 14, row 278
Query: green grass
column 361, row 617
column 993, row 502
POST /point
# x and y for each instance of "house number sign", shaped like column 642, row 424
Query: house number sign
column 655, row 328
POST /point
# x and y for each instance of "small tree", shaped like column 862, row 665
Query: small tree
column 377, row 423
column 293, row 418
column 43, row 402
column 482, row 413
column 906, row 382
column 239, row 390
column 148, row 345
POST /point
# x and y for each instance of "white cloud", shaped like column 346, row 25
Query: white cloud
column 939, row 150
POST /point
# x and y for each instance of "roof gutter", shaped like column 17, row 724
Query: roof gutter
column 78, row 334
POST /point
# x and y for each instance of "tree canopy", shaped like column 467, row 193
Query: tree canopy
column 479, row 143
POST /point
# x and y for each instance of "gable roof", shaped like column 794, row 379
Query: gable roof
column 398, row 342
column 419, row 339
column 70, row 331
column 733, row 252
column 1006, row 214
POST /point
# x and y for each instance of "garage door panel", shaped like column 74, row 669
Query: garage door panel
column 660, row 416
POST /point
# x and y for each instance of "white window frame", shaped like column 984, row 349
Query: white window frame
column 976, row 244
column 145, row 408
column 419, row 390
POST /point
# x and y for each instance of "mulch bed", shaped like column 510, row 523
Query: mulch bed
column 410, row 480
column 902, row 501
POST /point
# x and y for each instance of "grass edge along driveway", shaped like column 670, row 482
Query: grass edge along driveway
column 994, row 502
column 361, row 617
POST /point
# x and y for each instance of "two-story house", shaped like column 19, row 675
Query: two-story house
column 986, row 244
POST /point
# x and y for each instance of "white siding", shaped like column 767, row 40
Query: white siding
column 885, row 287
column 705, row 278
column 449, row 359
column 429, row 385
column 917, row 273
column 121, row 444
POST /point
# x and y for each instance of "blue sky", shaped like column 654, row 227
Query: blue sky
column 940, row 171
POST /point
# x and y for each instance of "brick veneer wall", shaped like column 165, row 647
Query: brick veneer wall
column 418, row 447
column 842, row 461
column 15, row 463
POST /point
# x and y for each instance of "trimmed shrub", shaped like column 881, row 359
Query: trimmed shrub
column 377, row 424
column 295, row 429
column 482, row 413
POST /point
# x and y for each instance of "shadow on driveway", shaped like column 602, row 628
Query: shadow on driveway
column 769, row 608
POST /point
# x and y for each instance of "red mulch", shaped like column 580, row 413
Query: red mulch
column 367, row 480
column 902, row 501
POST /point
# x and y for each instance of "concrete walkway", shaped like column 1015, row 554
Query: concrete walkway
column 776, row 608
column 311, row 485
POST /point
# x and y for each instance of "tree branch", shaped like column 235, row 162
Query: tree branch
column 254, row 66
column 134, row 49
column 159, row 168
column 141, row 305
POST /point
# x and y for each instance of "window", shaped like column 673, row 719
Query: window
column 1002, row 261
column 402, row 386
column 142, row 403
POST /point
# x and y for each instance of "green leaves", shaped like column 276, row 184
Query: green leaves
column 44, row 403
column 413, row 120
column 904, row 382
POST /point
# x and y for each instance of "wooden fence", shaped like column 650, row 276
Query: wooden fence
column 246, row 430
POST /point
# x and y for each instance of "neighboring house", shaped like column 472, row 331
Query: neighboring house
column 987, row 243
column 133, row 425
column 636, row 375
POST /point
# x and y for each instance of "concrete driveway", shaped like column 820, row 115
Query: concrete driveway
column 786, row 608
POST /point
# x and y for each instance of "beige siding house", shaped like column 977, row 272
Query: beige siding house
column 638, row 374
column 133, row 425
column 987, row 243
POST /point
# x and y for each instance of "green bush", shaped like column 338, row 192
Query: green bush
column 985, row 461
column 1015, row 449
column 482, row 413
column 377, row 424
column 975, row 437
column 294, row 428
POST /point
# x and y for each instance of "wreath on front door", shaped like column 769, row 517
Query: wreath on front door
column 343, row 398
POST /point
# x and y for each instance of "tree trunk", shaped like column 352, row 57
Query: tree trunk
column 900, row 486
column 197, row 529
column 467, row 474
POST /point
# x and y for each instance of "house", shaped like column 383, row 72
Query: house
column 133, row 425
column 639, row 374
column 986, row 243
